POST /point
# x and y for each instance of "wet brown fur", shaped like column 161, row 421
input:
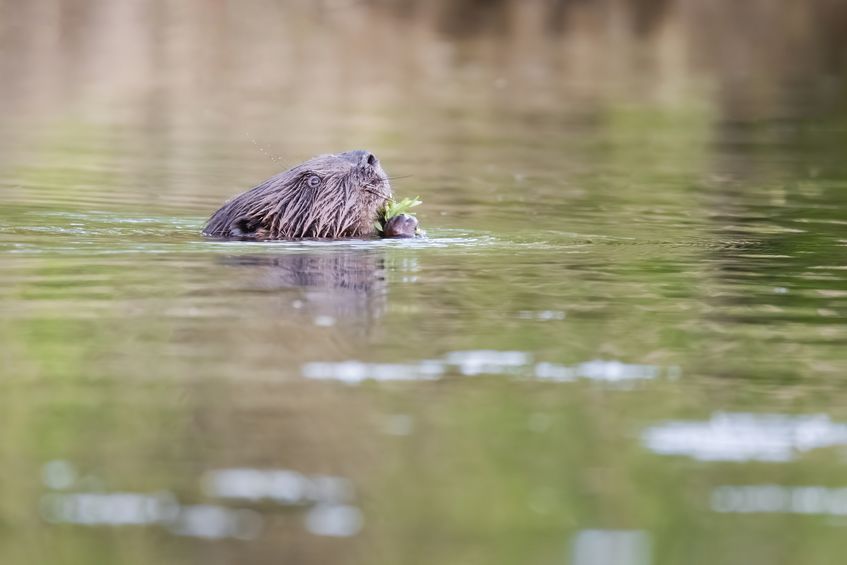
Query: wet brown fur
column 352, row 189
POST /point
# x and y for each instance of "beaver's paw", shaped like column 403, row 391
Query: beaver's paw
column 403, row 225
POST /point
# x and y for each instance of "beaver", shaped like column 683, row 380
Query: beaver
column 327, row 197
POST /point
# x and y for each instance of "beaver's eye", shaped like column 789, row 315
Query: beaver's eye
column 313, row 181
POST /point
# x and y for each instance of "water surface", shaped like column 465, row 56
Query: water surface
column 622, row 341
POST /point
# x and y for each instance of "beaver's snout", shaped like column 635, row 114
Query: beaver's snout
column 360, row 158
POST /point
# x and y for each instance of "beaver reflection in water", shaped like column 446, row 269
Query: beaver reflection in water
column 327, row 197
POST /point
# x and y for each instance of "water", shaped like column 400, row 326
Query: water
column 621, row 343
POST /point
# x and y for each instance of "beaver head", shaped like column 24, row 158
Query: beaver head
column 328, row 196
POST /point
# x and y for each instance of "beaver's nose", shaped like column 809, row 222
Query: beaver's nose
column 360, row 157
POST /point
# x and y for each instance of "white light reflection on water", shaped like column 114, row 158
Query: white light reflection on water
column 109, row 509
column 356, row 371
column 606, row 371
column 330, row 514
column 517, row 364
column 611, row 547
column 334, row 520
column 281, row 486
column 542, row 315
column 58, row 474
column 745, row 437
column 328, row 498
column 487, row 362
column 217, row 522
column 776, row 499
column 160, row 509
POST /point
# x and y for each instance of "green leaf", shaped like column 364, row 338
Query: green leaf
column 395, row 208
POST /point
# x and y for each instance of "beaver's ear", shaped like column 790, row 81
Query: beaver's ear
column 244, row 226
